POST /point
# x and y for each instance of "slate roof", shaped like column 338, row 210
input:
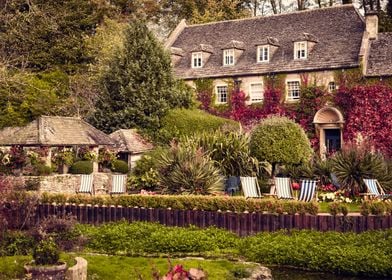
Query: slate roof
column 337, row 30
column 380, row 56
column 54, row 131
column 128, row 140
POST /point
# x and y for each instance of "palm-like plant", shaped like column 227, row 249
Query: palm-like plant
column 229, row 150
column 185, row 169
column 353, row 164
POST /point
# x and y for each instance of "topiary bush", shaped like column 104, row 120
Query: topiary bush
column 82, row 167
column 46, row 252
column 120, row 166
column 186, row 122
column 279, row 140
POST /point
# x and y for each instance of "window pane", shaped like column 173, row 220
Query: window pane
column 293, row 90
column 221, row 94
column 256, row 92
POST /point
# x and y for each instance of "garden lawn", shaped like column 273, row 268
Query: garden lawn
column 120, row 267
column 352, row 207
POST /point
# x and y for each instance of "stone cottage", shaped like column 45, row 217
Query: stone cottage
column 318, row 43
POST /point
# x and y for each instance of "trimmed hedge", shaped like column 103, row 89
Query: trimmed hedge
column 184, row 202
column 82, row 167
column 186, row 122
column 120, row 166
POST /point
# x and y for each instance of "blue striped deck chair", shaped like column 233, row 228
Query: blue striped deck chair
column 283, row 188
column 374, row 189
column 250, row 187
column 118, row 184
column 86, row 184
column 308, row 190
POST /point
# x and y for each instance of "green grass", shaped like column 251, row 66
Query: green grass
column 352, row 207
column 120, row 267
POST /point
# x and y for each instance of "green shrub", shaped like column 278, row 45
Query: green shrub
column 82, row 167
column 335, row 208
column 120, row 166
column 43, row 170
column 144, row 174
column 279, row 140
column 46, row 252
column 186, row 122
column 341, row 253
column 15, row 243
column 138, row 237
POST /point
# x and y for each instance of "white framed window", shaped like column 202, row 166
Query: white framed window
column 228, row 57
column 331, row 87
column 293, row 90
column 262, row 53
column 300, row 50
column 197, row 60
column 256, row 92
column 221, row 94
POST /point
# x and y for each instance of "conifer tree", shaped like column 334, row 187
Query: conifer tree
column 138, row 87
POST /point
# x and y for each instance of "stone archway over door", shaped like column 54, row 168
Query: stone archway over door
column 329, row 127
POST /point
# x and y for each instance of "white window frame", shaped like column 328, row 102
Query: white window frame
column 262, row 55
column 217, row 93
column 197, row 59
column 290, row 97
column 228, row 57
column 256, row 100
column 332, row 86
column 301, row 50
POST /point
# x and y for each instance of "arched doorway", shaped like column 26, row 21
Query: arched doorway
column 329, row 124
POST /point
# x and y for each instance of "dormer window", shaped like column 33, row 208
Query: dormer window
column 263, row 54
column 300, row 50
column 228, row 57
column 197, row 60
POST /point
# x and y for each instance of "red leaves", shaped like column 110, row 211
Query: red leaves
column 368, row 113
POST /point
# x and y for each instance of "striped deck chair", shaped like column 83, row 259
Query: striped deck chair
column 308, row 190
column 86, row 184
column 118, row 184
column 374, row 189
column 283, row 188
column 250, row 187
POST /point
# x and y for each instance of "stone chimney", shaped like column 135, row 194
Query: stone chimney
column 371, row 19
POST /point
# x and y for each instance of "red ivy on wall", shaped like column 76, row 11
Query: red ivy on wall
column 368, row 111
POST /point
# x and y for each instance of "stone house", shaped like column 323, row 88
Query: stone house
column 317, row 43
column 130, row 145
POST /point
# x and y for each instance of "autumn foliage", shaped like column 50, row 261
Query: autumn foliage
column 368, row 115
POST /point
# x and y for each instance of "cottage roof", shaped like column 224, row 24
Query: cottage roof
column 338, row 31
column 380, row 56
column 54, row 131
column 129, row 140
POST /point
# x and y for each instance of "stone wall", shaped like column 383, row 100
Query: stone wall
column 78, row 271
column 64, row 183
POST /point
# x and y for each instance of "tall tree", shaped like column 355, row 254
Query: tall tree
column 42, row 34
column 138, row 87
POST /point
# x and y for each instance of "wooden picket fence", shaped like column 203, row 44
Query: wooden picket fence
column 242, row 224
